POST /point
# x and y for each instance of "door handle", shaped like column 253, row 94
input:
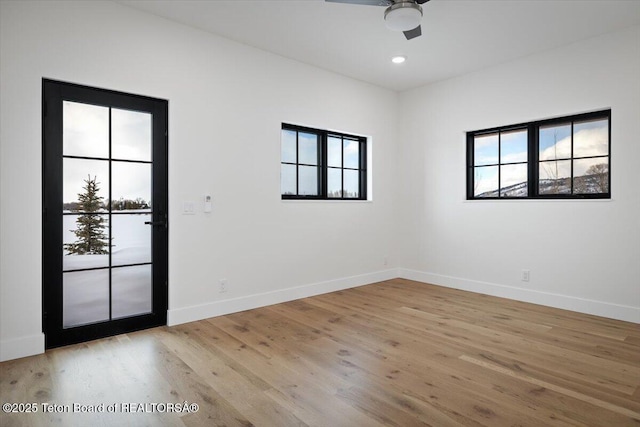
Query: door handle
column 156, row 223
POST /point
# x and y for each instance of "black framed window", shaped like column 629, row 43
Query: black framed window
column 566, row 157
column 320, row 164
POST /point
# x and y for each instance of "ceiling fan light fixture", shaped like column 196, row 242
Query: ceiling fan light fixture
column 403, row 16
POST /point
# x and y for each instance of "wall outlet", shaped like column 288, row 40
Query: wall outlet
column 525, row 275
column 223, row 286
column 385, row 261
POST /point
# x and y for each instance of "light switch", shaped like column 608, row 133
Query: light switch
column 188, row 208
column 208, row 203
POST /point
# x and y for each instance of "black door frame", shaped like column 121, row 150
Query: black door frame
column 53, row 94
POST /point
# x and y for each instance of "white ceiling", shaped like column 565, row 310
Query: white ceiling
column 458, row 36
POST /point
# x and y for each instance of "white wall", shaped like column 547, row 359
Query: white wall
column 583, row 255
column 226, row 104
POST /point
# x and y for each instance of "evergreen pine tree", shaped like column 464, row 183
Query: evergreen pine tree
column 90, row 226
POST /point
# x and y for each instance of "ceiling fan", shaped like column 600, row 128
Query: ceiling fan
column 400, row 15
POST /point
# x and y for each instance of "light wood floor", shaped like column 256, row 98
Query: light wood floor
column 395, row 353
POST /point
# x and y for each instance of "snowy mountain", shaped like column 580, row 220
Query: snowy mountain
column 589, row 184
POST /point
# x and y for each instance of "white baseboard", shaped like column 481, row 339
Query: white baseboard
column 21, row 347
column 581, row 305
column 234, row 305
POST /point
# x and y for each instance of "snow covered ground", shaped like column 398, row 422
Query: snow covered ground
column 590, row 184
column 86, row 293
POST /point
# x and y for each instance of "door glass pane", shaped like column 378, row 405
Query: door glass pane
column 555, row 177
column 334, row 182
column 85, row 130
column 591, row 175
column 351, row 183
column 288, row 179
column 288, row 146
column 591, row 138
column 555, row 142
column 131, row 291
column 334, row 151
column 85, row 185
column 351, row 154
column 131, row 239
column 513, row 180
column 485, row 150
column 85, row 241
column 131, row 186
column 308, row 180
column 307, row 148
column 513, row 146
column 85, row 296
column 130, row 135
column 485, row 181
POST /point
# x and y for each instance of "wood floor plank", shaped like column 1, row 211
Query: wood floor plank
column 245, row 395
column 304, row 389
column 395, row 353
column 524, row 357
column 633, row 415
column 593, row 367
column 333, row 363
column 441, row 383
column 615, row 375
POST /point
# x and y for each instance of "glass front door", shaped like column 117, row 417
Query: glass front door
column 105, row 222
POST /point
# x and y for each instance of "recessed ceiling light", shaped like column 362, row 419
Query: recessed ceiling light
column 398, row 59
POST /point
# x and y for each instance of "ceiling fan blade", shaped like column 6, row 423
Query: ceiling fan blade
column 412, row 34
column 421, row 1
column 364, row 2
